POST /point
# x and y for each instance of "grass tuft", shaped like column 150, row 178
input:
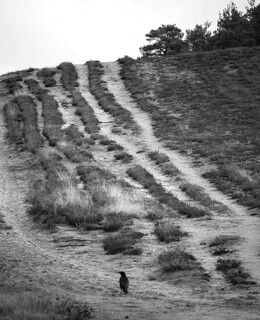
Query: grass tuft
column 177, row 260
column 123, row 242
column 167, row 231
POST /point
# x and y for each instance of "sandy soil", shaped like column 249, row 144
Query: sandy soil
column 71, row 264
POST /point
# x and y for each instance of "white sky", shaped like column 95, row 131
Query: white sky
column 44, row 33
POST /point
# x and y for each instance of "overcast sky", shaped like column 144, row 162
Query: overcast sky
column 41, row 33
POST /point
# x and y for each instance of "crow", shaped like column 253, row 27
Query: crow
column 124, row 282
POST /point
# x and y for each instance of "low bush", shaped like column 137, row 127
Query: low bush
column 69, row 76
column 13, row 118
column 93, row 174
column 177, row 260
column 114, row 147
column 124, row 241
column 86, row 113
column 34, row 87
column 76, row 154
column 169, row 169
column 123, row 156
column 53, row 120
column 21, row 115
column 13, row 84
column 223, row 240
column 114, row 221
column 234, row 272
column 167, row 231
column 158, row 158
column 47, row 76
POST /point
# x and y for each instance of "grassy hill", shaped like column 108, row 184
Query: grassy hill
column 149, row 166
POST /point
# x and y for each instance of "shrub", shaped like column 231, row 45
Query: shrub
column 177, row 260
column 167, row 231
column 124, row 241
column 234, row 272
column 158, row 157
column 53, row 120
column 13, row 117
column 123, row 156
column 86, row 113
column 114, row 146
column 114, row 221
column 47, row 76
column 191, row 212
column 32, row 137
column 13, row 84
column 169, row 169
column 69, row 75
column 222, row 240
column 76, row 154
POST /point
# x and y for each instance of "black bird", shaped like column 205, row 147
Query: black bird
column 124, row 282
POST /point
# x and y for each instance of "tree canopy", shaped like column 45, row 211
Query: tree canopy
column 234, row 29
column 166, row 40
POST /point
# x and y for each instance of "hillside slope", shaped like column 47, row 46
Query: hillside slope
column 146, row 166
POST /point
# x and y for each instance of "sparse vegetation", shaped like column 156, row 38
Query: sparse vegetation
column 75, row 153
column 13, row 118
column 234, row 272
column 85, row 112
column 53, row 120
column 177, row 260
column 146, row 179
column 21, row 118
column 105, row 99
column 167, row 231
column 47, row 76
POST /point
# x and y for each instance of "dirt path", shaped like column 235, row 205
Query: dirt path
column 73, row 264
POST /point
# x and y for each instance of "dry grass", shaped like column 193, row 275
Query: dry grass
column 167, row 231
column 58, row 200
column 27, row 306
